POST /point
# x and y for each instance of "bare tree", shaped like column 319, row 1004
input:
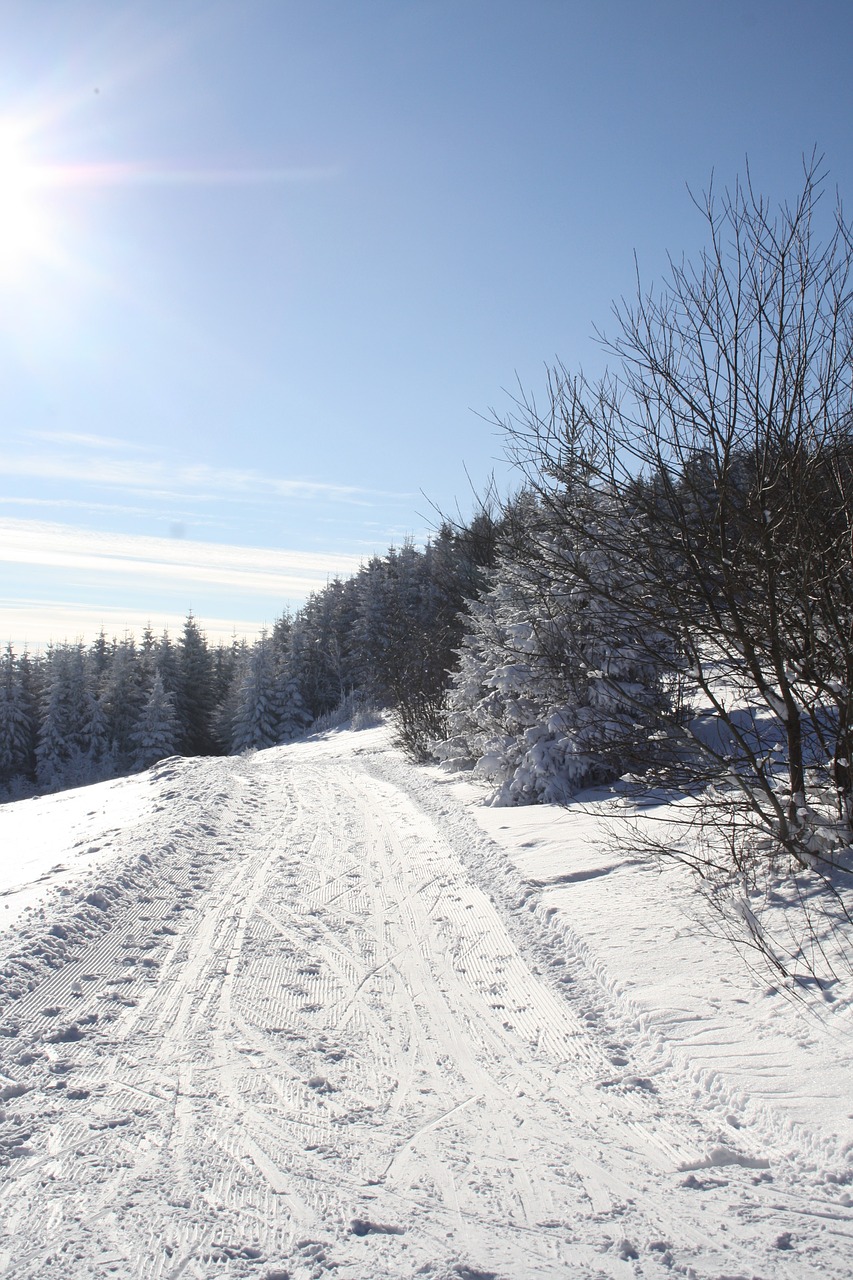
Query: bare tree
column 722, row 441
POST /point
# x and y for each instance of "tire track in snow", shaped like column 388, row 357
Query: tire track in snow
column 318, row 1077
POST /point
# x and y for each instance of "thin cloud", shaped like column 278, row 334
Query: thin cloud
column 160, row 479
column 34, row 624
column 86, row 441
column 169, row 562
column 75, row 504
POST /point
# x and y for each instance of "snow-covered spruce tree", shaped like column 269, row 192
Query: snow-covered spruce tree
column 554, row 691
column 17, row 724
column 166, row 662
column 268, row 705
column 321, row 657
column 229, row 669
column 71, row 740
column 370, row 638
column 257, row 713
column 428, row 591
column 195, row 693
column 229, row 663
column 294, row 718
column 147, row 657
column 121, row 697
column 155, row 734
column 99, row 654
column 417, row 690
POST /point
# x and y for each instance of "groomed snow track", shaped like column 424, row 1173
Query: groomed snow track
column 291, row 1036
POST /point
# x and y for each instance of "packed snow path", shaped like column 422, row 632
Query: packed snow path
column 310, row 1044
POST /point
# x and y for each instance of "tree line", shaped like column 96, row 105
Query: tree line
column 385, row 638
column 668, row 597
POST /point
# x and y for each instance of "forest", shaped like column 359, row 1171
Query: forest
column 666, row 598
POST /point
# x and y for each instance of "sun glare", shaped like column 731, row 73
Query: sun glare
column 23, row 233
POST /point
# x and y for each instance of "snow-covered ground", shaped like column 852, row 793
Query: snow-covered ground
column 318, row 1012
column 55, row 841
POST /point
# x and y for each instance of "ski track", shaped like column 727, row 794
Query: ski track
column 332, row 1036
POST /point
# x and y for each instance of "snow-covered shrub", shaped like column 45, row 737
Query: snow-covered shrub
column 367, row 716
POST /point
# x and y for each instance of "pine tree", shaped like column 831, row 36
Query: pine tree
column 558, row 687
column 257, row 719
column 294, row 718
column 155, row 734
column 195, row 695
column 70, row 739
column 315, row 652
column 167, row 662
column 121, row 697
column 229, row 665
column 371, row 633
column 17, row 723
column 147, row 657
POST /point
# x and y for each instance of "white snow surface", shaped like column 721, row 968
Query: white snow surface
column 318, row 1012
column 56, row 840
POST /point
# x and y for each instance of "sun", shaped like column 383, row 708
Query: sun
column 23, row 229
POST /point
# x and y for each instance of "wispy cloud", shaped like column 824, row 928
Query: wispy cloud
column 76, row 504
column 280, row 575
column 161, row 479
column 35, row 623
column 86, row 441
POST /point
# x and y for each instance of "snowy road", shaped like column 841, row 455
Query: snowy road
column 310, row 1044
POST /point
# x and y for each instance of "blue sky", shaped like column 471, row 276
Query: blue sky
column 266, row 266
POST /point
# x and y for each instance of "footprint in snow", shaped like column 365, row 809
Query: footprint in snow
column 111, row 1122
column 638, row 1084
column 320, row 1084
column 13, row 1090
column 703, row 1184
column 66, row 1035
column 364, row 1227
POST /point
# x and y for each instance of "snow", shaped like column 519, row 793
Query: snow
column 318, row 1012
column 52, row 841
column 641, row 926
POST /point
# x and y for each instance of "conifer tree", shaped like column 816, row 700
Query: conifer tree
column 166, row 662
column 294, row 718
column 195, row 697
column 155, row 734
column 557, row 687
column 258, row 707
column 17, row 723
column 121, row 697
column 147, row 657
column 99, row 654
column 70, row 738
